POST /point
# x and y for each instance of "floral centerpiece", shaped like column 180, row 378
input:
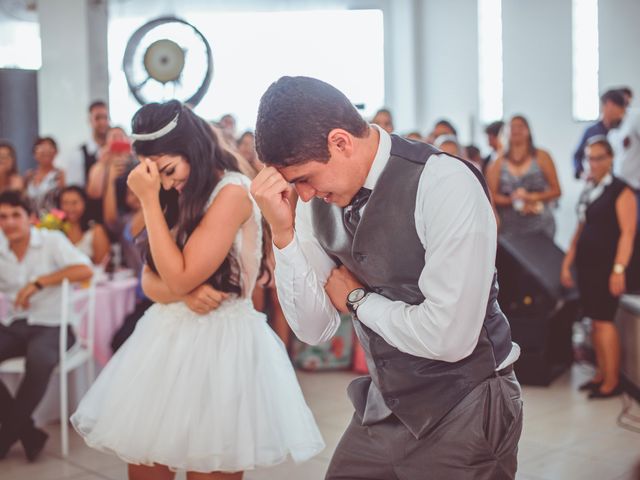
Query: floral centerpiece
column 53, row 220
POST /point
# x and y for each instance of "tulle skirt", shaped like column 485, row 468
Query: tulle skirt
column 200, row 393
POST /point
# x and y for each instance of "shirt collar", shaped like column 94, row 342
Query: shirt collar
column 4, row 243
column 35, row 241
column 606, row 180
column 380, row 160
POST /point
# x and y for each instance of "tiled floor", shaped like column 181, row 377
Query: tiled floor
column 565, row 437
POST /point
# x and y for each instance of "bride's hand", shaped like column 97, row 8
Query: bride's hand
column 204, row 299
column 272, row 194
column 144, row 180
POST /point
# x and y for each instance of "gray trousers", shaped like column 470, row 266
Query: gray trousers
column 476, row 440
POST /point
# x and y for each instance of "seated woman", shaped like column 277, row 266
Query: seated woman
column 606, row 253
column 45, row 181
column 524, row 184
column 9, row 177
column 90, row 238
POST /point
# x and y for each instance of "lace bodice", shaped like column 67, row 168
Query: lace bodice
column 247, row 246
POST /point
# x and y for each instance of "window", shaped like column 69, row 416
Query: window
column 490, row 59
column 253, row 49
column 586, row 102
column 20, row 45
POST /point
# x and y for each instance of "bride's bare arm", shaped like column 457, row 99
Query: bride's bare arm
column 155, row 289
column 208, row 245
column 201, row 300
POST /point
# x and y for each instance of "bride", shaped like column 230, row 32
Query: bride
column 203, row 384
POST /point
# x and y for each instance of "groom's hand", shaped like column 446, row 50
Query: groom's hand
column 271, row 192
column 340, row 284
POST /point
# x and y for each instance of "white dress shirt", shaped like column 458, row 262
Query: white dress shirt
column 48, row 252
column 73, row 163
column 627, row 148
column 457, row 228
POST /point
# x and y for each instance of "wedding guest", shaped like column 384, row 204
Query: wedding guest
column 45, row 181
column 10, row 179
column 33, row 264
column 494, row 139
column 89, row 237
column 472, row 154
column 606, row 253
column 442, row 127
column 448, row 144
column 524, row 184
column 77, row 164
column 415, row 135
column 247, row 149
column 384, row 119
column 612, row 110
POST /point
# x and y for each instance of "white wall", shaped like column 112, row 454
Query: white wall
column 431, row 66
column 537, row 65
column 62, row 93
column 74, row 71
column 74, row 68
column 620, row 44
column 448, row 64
column 538, row 83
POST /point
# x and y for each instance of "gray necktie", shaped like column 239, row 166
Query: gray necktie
column 351, row 212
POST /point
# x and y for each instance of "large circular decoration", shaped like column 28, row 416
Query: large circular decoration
column 168, row 58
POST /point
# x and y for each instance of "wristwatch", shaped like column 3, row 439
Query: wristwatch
column 619, row 268
column 356, row 298
column 34, row 281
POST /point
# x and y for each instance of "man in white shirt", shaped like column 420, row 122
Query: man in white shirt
column 76, row 165
column 403, row 237
column 79, row 162
column 33, row 264
column 625, row 141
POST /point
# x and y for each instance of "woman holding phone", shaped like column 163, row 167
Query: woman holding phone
column 116, row 154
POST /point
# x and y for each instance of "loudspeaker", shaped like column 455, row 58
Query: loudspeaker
column 540, row 311
column 628, row 323
column 19, row 112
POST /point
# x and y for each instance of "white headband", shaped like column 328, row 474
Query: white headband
column 160, row 133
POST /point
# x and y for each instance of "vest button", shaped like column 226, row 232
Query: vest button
column 360, row 257
column 382, row 363
column 392, row 402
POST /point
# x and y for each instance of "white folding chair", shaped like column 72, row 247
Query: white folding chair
column 79, row 354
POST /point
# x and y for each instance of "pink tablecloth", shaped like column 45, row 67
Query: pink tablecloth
column 114, row 301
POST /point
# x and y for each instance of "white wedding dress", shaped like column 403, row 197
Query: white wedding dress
column 206, row 393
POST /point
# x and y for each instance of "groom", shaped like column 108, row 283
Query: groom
column 403, row 237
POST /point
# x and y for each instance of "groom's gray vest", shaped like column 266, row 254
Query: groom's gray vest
column 387, row 256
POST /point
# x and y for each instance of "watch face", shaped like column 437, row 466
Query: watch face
column 356, row 295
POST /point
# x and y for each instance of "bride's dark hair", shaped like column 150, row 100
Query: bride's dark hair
column 193, row 139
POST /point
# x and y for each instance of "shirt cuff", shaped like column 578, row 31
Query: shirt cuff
column 369, row 311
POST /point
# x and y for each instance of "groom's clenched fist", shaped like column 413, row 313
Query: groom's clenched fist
column 271, row 192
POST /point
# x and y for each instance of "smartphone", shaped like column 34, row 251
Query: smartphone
column 120, row 146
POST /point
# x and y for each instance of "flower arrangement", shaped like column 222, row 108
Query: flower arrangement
column 53, row 220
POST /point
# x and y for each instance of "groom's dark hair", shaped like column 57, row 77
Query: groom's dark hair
column 295, row 117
